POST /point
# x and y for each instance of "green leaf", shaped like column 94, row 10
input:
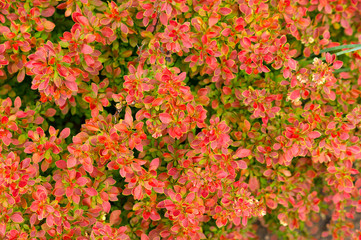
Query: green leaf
column 342, row 70
column 349, row 50
column 340, row 47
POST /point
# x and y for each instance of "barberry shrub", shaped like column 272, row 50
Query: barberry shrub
column 180, row 119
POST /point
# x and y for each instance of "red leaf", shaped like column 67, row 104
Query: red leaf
column 222, row 174
column 82, row 181
column 138, row 193
column 242, row 153
column 314, row 134
column 253, row 183
column 163, row 19
column 292, row 64
column 16, row 217
column 48, row 25
column 4, row 120
column 337, row 64
column 212, row 21
column 91, row 127
column 246, row 42
column 190, row 197
column 50, row 112
column 114, row 217
column 144, row 237
column 86, row 49
column 165, row 118
column 271, row 204
column 154, row 164
column 107, row 31
column 237, row 221
column 225, row 11
column 244, row 221
column 21, row 75
column 58, row 192
column 242, row 164
column 65, row 133
column 2, row 229
column 50, row 220
column 128, row 119
column 331, row 125
column 71, row 85
column 354, row 149
column 332, row 95
column 295, row 94
column 106, row 206
column 91, row 192
column 154, row 216
column 82, row 20
column 124, row 28
column 48, row 12
column 71, row 162
column 331, row 169
column 61, row 164
column 268, row 172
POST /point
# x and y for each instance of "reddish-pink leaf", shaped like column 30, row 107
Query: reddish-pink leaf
column 115, row 217
column 71, row 85
column 107, row 32
column 82, row 181
column 81, row 19
column 242, row 153
column 128, row 119
column 138, row 192
column 106, row 206
column 50, row 112
column 292, row 64
column 222, row 174
column 16, row 217
column 71, row 162
column 48, row 25
column 314, row 134
column 154, row 164
column 225, row 11
column 253, row 183
column 61, row 164
column 91, row 127
column 91, row 191
column 86, row 49
column 48, row 12
column 337, row 64
column 50, row 220
column 237, row 221
column 242, row 164
column 331, row 169
column 268, row 172
column 332, row 95
column 144, row 237
column 331, row 125
column 2, row 229
column 65, row 133
column 124, row 28
column 212, row 21
column 271, row 204
column 354, row 149
column 21, row 75
column 58, row 192
column 295, row 95
column 244, row 221
column 163, row 19
column 165, row 118
column 154, row 216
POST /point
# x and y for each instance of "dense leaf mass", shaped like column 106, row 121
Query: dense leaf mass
column 180, row 119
